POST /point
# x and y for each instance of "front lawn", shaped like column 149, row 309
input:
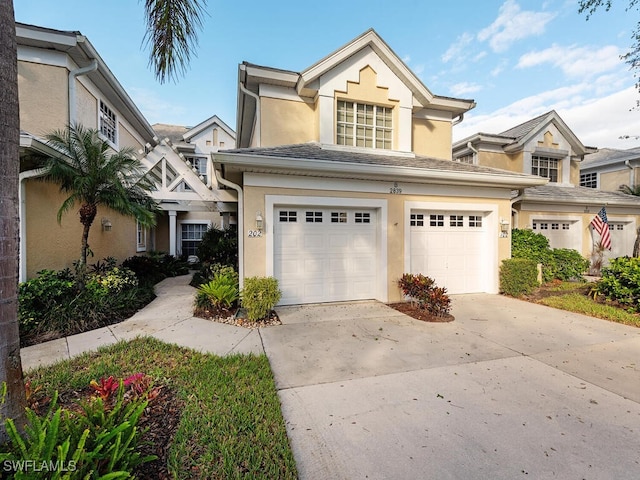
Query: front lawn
column 574, row 297
column 227, row 412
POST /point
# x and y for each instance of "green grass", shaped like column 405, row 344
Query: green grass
column 580, row 303
column 231, row 425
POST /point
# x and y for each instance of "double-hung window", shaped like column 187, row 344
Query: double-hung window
column 108, row 123
column 364, row 125
column 545, row 167
column 191, row 236
column 589, row 180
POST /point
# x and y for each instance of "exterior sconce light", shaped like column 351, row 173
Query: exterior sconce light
column 106, row 225
column 259, row 221
column 504, row 228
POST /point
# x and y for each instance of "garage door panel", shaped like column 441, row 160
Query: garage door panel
column 453, row 252
column 334, row 261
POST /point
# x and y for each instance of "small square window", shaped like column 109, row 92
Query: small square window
column 288, row 216
column 475, row 221
column 436, row 220
column 620, row 226
column 566, row 226
column 314, row 217
column 456, row 221
column 363, row 217
column 544, row 226
column 417, row 220
column 338, row 217
column 555, row 226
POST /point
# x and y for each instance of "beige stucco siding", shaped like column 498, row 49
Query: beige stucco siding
column 286, row 122
column 575, row 173
column 42, row 91
column 513, row 163
column 611, row 181
column 431, row 138
column 255, row 249
column 86, row 106
column 54, row 246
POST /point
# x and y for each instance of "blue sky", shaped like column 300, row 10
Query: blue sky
column 515, row 58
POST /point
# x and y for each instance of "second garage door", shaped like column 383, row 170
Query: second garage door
column 325, row 254
column 452, row 248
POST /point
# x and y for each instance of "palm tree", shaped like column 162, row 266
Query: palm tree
column 93, row 176
column 172, row 35
column 633, row 190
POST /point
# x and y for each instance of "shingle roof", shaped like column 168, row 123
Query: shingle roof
column 606, row 156
column 523, row 129
column 172, row 132
column 584, row 195
column 315, row 151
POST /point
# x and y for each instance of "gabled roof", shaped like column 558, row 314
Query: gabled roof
column 208, row 123
column 314, row 159
column 516, row 137
column 554, row 193
column 82, row 52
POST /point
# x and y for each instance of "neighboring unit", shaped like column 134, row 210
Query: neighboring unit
column 345, row 181
column 62, row 81
column 562, row 210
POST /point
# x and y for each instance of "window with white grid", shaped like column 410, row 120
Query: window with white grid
column 364, row 125
column 199, row 164
column 108, row 123
column 545, row 167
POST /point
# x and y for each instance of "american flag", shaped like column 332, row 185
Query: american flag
column 601, row 225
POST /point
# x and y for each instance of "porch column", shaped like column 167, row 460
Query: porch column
column 172, row 232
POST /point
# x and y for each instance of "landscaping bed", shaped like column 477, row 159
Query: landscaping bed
column 412, row 310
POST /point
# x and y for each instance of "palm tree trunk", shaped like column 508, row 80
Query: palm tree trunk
column 636, row 244
column 10, row 363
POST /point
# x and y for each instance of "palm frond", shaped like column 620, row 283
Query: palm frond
column 172, row 27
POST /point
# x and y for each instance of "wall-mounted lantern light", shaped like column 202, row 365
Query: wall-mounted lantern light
column 106, row 225
column 259, row 221
column 504, row 228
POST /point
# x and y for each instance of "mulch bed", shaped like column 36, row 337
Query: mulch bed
column 412, row 310
column 230, row 316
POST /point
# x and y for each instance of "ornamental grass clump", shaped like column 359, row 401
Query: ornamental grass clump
column 423, row 292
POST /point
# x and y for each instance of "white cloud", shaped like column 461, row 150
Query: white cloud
column 456, row 50
column 513, row 24
column 464, row 88
column 597, row 122
column 157, row 109
column 575, row 61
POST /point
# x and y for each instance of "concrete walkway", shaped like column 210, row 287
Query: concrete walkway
column 169, row 318
column 508, row 390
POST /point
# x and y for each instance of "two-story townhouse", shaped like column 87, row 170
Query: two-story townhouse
column 610, row 168
column 345, row 181
column 62, row 80
column 562, row 210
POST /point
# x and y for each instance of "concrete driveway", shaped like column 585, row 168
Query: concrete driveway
column 508, row 390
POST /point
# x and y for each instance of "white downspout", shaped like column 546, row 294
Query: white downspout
column 515, row 213
column 22, row 203
column 256, row 123
column 238, row 189
column 475, row 153
column 631, row 179
column 92, row 67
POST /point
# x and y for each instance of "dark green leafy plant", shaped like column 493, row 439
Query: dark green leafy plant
column 259, row 296
column 423, row 291
column 518, row 276
column 620, row 282
column 220, row 293
column 219, row 246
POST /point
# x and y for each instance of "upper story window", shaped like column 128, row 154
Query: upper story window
column 545, row 167
column 589, row 180
column 364, row 125
column 199, row 164
column 108, row 123
column 466, row 159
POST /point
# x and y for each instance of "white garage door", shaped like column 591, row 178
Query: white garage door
column 453, row 249
column 560, row 232
column 622, row 239
column 325, row 254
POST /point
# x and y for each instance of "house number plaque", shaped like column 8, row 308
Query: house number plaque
column 396, row 190
column 254, row 233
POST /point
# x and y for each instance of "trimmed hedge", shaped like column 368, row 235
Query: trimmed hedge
column 518, row 276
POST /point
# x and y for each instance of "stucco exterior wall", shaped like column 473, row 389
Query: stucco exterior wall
column 575, row 173
column 42, row 91
column 255, row 249
column 513, row 163
column 86, row 105
column 54, row 246
column 285, row 122
column 611, row 181
column 431, row 138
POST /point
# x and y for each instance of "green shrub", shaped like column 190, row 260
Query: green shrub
column 221, row 292
column 208, row 272
column 424, row 292
column 97, row 439
column 621, row 282
column 219, row 246
column 518, row 276
column 259, row 296
column 557, row 263
column 147, row 269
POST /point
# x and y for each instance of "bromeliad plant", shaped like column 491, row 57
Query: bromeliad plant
column 422, row 291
